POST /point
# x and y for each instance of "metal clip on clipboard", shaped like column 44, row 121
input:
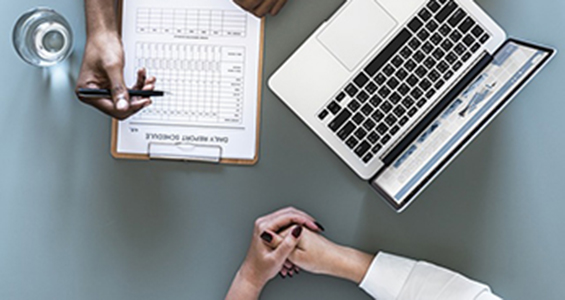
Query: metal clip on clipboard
column 185, row 152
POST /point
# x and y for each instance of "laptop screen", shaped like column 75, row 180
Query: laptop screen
column 512, row 66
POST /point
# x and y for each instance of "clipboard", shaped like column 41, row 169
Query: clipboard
column 189, row 152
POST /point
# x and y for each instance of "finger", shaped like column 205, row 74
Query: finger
column 119, row 90
column 277, row 7
column 264, row 8
column 141, row 79
column 282, row 252
column 297, row 211
column 283, row 274
column 248, row 5
column 285, row 220
column 288, row 265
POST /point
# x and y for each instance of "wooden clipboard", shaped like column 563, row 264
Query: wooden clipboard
column 114, row 143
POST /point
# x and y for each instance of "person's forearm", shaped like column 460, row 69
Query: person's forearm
column 350, row 264
column 100, row 16
column 243, row 289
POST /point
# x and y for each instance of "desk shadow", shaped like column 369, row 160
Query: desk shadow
column 444, row 218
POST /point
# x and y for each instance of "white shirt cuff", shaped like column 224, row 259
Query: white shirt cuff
column 386, row 276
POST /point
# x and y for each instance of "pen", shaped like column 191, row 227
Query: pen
column 105, row 93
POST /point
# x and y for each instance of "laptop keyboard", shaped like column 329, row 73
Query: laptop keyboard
column 382, row 98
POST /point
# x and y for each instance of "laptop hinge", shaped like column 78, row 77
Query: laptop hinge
column 437, row 110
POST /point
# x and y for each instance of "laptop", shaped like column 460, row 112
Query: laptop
column 398, row 88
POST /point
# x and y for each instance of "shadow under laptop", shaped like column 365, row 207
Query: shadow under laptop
column 445, row 219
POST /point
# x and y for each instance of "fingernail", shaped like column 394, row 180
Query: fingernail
column 320, row 226
column 122, row 104
column 283, row 277
column 297, row 231
column 290, row 274
column 267, row 237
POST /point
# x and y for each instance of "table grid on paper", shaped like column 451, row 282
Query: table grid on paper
column 192, row 22
column 205, row 83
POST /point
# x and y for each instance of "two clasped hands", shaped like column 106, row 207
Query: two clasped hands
column 286, row 242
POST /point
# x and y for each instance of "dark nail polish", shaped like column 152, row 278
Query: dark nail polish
column 320, row 226
column 297, row 231
column 290, row 274
column 267, row 237
column 283, row 277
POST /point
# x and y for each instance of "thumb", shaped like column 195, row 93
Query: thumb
column 119, row 90
column 288, row 244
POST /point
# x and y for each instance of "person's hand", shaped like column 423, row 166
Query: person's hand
column 103, row 68
column 260, row 8
column 264, row 261
column 318, row 255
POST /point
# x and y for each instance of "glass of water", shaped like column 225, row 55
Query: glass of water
column 42, row 37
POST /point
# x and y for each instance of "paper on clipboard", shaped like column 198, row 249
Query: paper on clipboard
column 207, row 55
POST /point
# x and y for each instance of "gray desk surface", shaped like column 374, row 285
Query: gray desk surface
column 77, row 224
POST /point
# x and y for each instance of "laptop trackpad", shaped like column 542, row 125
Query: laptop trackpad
column 358, row 29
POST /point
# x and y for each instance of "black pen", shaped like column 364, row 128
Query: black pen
column 105, row 93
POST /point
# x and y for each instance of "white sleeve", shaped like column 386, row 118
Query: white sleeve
column 395, row 278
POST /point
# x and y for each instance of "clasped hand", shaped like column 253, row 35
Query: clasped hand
column 286, row 242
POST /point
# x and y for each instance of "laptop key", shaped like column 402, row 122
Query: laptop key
column 401, row 74
column 362, row 96
column 433, row 6
column 446, row 11
column 397, row 61
column 382, row 129
column 412, row 112
column 434, row 76
column 380, row 79
column 323, row 115
column 408, row 102
column 423, row 34
column 346, row 131
column 455, row 36
column 460, row 49
column 385, row 139
column 362, row 148
column 466, row 57
column 457, row 66
column 404, row 89
column 406, row 52
column 419, row 56
column 439, row 84
column 376, row 149
column 352, row 142
column 354, row 105
column 367, row 109
column 427, row 48
column 377, row 116
column 403, row 121
column 445, row 29
column 373, row 138
column 415, row 25
column 384, row 92
column 425, row 84
column 394, row 130
column 336, row 123
column 436, row 38
column 340, row 97
column 484, row 38
column 467, row 25
column 424, row 14
column 395, row 98
column 429, row 63
column 358, row 118
column 447, row 45
column 368, row 158
column 410, row 65
column 432, row 25
column 376, row 101
column 388, row 70
column 386, row 107
column 360, row 133
column 457, row 17
column 371, row 88
column 361, row 80
column 399, row 111
column 369, row 125
column 390, row 120
column 469, row 40
column 421, row 71
column 475, row 48
column 351, row 90
column 438, row 54
column 442, row 67
column 392, row 83
column 415, row 43
column 477, row 31
column 334, row 108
